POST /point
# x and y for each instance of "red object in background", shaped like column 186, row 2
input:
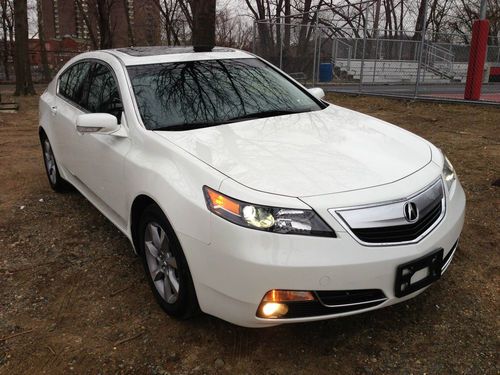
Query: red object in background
column 495, row 74
column 477, row 55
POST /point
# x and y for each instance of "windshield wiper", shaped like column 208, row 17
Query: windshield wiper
column 265, row 114
column 199, row 125
column 180, row 127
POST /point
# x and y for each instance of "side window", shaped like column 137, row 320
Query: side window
column 102, row 94
column 72, row 80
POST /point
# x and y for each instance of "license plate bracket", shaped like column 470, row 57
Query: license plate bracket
column 404, row 273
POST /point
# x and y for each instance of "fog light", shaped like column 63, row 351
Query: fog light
column 273, row 310
column 274, row 305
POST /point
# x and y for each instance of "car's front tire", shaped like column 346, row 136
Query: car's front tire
column 165, row 265
column 57, row 183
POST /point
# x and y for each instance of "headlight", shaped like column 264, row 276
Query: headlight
column 270, row 219
column 448, row 173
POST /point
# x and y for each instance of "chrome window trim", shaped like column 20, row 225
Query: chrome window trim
column 335, row 213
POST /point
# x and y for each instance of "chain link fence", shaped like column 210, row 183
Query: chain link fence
column 406, row 63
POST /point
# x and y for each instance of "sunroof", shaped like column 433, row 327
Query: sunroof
column 164, row 50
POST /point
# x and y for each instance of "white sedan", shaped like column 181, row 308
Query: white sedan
column 248, row 196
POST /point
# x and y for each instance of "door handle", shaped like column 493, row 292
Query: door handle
column 53, row 109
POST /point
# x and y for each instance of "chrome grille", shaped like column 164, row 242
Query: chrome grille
column 386, row 224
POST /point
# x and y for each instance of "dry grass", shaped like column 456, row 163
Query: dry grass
column 70, row 288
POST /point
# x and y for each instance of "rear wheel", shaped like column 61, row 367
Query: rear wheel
column 165, row 265
column 56, row 182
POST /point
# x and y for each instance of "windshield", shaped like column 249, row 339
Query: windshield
column 193, row 94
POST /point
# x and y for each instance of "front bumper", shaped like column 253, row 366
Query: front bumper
column 234, row 272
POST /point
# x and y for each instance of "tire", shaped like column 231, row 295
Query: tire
column 165, row 265
column 57, row 183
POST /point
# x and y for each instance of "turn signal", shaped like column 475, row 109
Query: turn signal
column 221, row 202
column 277, row 295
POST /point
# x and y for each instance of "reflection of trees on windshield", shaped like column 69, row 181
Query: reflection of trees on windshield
column 212, row 91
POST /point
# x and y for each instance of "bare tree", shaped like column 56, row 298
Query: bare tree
column 46, row 76
column 24, row 82
column 176, row 16
column 7, row 33
column 130, row 31
column 88, row 24
column 258, row 10
column 464, row 12
column 103, row 20
column 230, row 31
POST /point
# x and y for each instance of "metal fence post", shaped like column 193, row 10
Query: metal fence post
column 319, row 54
column 281, row 45
column 349, row 59
column 315, row 50
column 375, row 60
column 421, row 51
column 363, row 49
column 254, row 36
column 334, row 54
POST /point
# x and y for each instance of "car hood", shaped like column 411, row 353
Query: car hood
column 306, row 154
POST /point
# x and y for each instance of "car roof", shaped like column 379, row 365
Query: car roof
column 165, row 54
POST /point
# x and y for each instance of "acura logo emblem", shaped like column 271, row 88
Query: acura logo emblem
column 411, row 212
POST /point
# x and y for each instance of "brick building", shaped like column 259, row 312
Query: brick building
column 72, row 18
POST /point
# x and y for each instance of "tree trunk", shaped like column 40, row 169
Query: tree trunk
column 86, row 19
column 130, row 31
column 46, row 76
column 105, row 41
column 203, row 24
column 419, row 26
column 288, row 20
column 24, row 83
column 302, row 29
column 376, row 21
column 6, row 44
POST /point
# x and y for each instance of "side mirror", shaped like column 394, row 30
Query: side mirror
column 317, row 92
column 102, row 123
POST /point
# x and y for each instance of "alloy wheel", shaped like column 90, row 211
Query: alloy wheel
column 50, row 162
column 162, row 264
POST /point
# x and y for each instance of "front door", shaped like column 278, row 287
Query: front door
column 65, row 109
column 100, row 164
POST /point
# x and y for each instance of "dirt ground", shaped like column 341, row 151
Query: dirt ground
column 73, row 297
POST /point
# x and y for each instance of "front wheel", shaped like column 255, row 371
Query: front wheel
column 165, row 265
column 56, row 182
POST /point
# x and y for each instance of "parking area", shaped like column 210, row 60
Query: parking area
column 73, row 297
